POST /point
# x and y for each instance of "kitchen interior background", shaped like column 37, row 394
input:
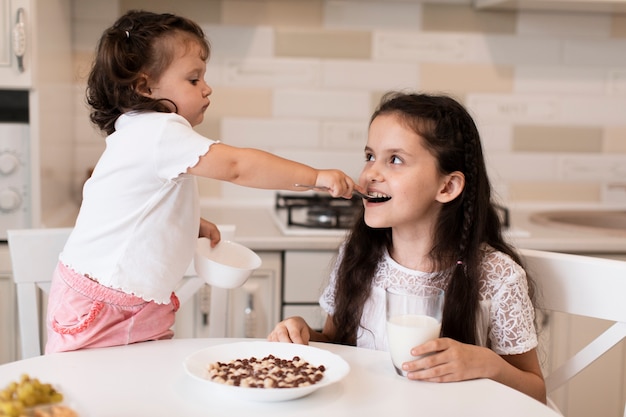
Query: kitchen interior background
column 301, row 77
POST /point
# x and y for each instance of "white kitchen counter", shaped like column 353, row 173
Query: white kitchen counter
column 257, row 229
column 563, row 239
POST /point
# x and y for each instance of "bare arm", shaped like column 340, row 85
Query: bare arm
column 259, row 169
column 450, row 360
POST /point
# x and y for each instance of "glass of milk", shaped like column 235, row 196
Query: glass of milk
column 413, row 317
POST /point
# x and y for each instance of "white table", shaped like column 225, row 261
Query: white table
column 148, row 379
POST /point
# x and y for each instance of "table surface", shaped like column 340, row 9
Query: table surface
column 148, row 379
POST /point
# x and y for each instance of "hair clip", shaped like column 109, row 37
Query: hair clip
column 127, row 34
column 459, row 262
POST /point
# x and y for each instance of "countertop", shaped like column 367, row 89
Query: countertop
column 256, row 227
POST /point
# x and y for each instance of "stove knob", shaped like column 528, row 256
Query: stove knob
column 8, row 163
column 10, row 200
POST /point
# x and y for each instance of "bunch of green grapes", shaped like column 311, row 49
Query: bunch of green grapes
column 27, row 392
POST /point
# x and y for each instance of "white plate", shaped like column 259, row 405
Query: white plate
column 197, row 365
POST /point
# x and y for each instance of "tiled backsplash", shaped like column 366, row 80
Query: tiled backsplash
column 301, row 78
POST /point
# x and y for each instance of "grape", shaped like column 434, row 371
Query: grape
column 27, row 392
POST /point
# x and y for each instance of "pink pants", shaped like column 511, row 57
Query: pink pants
column 84, row 314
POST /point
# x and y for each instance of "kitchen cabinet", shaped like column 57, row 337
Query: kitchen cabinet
column 47, row 77
column 15, row 44
column 306, row 275
column 261, row 292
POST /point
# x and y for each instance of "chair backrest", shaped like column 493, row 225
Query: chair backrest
column 34, row 256
column 585, row 286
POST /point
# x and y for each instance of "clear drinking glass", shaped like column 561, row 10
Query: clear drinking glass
column 413, row 317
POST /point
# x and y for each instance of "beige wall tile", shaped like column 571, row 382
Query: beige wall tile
column 557, row 139
column 205, row 11
column 240, row 102
column 618, row 26
column 82, row 65
column 323, row 44
column 273, row 12
column 462, row 18
column 615, row 139
column 209, row 188
column 554, row 192
column 210, row 127
column 461, row 79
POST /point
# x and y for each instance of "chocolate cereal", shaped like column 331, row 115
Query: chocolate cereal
column 269, row 372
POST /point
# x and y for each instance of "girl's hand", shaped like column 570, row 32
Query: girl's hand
column 338, row 183
column 447, row 360
column 291, row 330
column 210, row 231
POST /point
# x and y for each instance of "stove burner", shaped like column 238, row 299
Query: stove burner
column 318, row 211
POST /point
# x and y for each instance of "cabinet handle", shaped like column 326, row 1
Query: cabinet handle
column 205, row 303
column 19, row 38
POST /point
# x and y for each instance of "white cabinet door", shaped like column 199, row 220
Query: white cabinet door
column 306, row 275
column 194, row 318
column 16, row 20
column 312, row 314
column 263, row 290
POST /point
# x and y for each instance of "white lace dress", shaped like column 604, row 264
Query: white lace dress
column 505, row 321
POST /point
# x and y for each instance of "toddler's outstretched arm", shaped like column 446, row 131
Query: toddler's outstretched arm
column 259, row 169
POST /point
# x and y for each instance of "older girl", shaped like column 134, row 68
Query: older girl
column 438, row 227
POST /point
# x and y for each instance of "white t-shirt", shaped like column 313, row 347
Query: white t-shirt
column 140, row 216
column 506, row 315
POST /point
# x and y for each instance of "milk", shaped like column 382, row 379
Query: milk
column 407, row 331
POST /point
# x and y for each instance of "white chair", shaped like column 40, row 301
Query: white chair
column 583, row 286
column 34, row 255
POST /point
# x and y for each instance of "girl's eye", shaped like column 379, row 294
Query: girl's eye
column 194, row 82
column 395, row 160
column 369, row 157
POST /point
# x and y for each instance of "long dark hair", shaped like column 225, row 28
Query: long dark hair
column 450, row 134
column 138, row 44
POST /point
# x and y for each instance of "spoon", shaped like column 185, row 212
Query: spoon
column 355, row 192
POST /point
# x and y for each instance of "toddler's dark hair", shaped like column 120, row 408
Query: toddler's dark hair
column 140, row 44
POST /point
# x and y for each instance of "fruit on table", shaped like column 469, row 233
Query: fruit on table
column 25, row 393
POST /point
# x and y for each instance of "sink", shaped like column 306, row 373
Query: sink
column 612, row 222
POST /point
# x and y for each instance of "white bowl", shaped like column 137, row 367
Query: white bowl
column 197, row 365
column 227, row 265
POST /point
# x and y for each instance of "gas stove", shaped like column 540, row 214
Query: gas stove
column 314, row 214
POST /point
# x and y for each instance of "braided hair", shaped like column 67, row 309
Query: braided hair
column 449, row 133
column 139, row 44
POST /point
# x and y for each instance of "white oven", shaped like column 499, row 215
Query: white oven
column 15, row 181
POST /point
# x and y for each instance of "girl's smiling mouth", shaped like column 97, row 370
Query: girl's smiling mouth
column 376, row 197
